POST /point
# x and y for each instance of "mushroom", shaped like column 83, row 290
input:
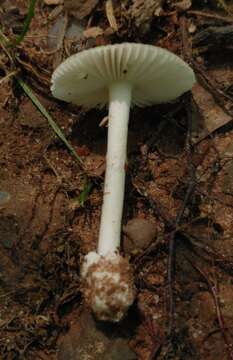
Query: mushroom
column 121, row 75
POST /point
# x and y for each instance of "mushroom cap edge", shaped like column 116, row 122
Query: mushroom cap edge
column 156, row 74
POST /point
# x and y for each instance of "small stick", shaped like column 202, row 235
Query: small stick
column 213, row 290
column 226, row 19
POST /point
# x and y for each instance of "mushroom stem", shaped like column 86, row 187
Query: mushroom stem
column 110, row 226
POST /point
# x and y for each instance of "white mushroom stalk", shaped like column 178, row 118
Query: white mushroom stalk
column 114, row 187
column 107, row 274
column 122, row 75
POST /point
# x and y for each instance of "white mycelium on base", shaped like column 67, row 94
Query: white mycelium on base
column 109, row 287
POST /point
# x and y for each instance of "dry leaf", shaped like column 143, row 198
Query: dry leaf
column 110, row 15
column 208, row 116
column 144, row 11
column 53, row 2
column 93, row 32
column 183, row 5
column 56, row 33
column 80, row 8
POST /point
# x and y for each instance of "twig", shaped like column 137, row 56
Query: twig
column 4, row 42
column 171, row 255
column 226, row 264
column 192, row 183
column 214, row 293
column 212, row 86
column 226, row 19
column 186, row 45
column 37, row 74
column 8, row 76
column 205, row 80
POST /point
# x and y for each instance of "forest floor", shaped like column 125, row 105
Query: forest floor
column 178, row 216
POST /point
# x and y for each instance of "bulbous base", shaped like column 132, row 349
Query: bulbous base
column 108, row 285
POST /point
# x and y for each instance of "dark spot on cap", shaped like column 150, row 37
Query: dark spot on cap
column 125, row 71
column 86, row 76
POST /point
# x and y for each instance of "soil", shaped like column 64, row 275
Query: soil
column 179, row 181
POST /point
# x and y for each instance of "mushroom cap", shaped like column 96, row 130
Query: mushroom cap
column 156, row 75
column 108, row 285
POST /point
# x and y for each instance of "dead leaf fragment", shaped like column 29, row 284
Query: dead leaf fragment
column 144, row 11
column 74, row 32
column 53, row 2
column 93, row 32
column 227, row 187
column 95, row 164
column 80, row 8
column 183, row 5
column 208, row 116
column 110, row 15
column 56, row 33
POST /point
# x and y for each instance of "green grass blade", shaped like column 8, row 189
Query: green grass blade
column 51, row 122
column 85, row 193
column 26, row 24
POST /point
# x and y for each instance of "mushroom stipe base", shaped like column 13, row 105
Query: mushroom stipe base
column 108, row 285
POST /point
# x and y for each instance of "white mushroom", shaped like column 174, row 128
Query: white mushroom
column 121, row 75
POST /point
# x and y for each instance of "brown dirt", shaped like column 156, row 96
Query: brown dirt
column 184, row 189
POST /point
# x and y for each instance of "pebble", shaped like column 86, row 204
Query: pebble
column 139, row 234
